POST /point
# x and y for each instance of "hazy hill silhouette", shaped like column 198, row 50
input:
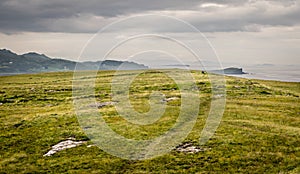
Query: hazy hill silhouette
column 34, row 62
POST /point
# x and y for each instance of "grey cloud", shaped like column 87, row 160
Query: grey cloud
column 87, row 16
column 250, row 17
column 31, row 15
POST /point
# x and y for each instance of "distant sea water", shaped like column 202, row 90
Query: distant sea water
column 287, row 73
column 13, row 74
column 9, row 74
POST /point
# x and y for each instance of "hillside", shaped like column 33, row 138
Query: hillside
column 259, row 132
column 33, row 62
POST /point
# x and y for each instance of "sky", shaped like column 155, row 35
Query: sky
column 237, row 32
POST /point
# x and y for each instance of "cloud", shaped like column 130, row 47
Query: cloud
column 251, row 16
column 74, row 16
column 209, row 5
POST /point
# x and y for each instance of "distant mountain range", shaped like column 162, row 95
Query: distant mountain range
column 33, row 62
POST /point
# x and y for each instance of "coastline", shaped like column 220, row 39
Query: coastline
column 262, row 77
column 282, row 76
column 277, row 73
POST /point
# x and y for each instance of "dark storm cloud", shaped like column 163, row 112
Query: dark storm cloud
column 87, row 16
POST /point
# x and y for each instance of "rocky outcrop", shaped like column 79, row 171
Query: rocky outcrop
column 70, row 143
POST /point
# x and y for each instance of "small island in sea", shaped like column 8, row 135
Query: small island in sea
column 231, row 70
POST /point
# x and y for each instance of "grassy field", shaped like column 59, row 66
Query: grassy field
column 259, row 132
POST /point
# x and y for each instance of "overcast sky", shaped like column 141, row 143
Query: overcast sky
column 241, row 31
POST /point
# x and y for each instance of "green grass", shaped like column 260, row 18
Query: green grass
column 259, row 132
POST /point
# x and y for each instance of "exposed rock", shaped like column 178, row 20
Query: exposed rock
column 170, row 99
column 188, row 148
column 87, row 127
column 70, row 143
column 218, row 96
column 102, row 104
column 51, row 90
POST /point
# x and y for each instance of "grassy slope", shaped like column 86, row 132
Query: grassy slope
column 260, row 130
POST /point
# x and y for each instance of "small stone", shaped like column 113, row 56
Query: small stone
column 188, row 148
column 170, row 99
column 101, row 105
column 87, row 127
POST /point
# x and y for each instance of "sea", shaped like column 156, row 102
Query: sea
column 286, row 73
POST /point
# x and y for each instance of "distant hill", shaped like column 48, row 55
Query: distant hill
column 33, row 62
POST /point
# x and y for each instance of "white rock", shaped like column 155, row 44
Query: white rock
column 188, row 148
column 170, row 99
column 63, row 145
column 91, row 145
